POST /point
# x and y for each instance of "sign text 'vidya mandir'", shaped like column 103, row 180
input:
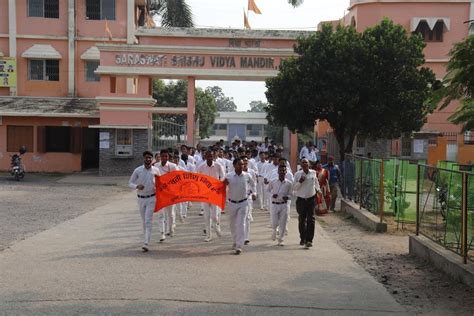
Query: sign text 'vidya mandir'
column 196, row 61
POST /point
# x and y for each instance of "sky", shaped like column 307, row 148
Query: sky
column 276, row 14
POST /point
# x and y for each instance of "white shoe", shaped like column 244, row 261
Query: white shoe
column 218, row 231
column 145, row 248
column 208, row 239
column 274, row 235
column 163, row 237
column 238, row 251
column 201, row 213
column 280, row 243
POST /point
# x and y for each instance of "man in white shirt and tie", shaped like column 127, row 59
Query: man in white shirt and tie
column 239, row 184
column 306, row 186
column 211, row 212
column 143, row 180
column 166, row 216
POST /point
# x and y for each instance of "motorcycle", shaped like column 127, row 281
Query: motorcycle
column 17, row 169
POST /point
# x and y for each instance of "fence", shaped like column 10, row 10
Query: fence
column 166, row 133
column 445, row 208
column 439, row 200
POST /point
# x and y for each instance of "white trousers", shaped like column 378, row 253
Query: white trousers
column 261, row 192
column 279, row 218
column 166, row 219
column 237, row 215
column 248, row 219
column 211, row 216
column 146, row 208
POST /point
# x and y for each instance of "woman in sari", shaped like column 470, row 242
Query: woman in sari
column 322, row 200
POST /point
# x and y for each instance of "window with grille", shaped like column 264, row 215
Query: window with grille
column 58, row 139
column 434, row 35
column 254, row 129
column 43, row 8
column 406, row 146
column 91, row 66
column 47, row 70
column 100, row 9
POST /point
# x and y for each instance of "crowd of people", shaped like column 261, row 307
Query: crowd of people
column 256, row 175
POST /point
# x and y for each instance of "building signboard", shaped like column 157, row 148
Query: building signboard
column 197, row 61
column 7, row 72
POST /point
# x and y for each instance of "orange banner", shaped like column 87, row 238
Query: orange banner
column 180, row 186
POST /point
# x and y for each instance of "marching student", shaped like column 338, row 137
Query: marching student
column 239, row 183
column 166, row 216
column 143, row 180
column 260, row 185
column 280, row 191
column 251, row 193
column 211, row 211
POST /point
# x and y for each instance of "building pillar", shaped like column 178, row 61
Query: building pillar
column 12, row 36
column 471, row 18
column 191, row 110
column 130, row 21
column 71, row 48
column 294, row 151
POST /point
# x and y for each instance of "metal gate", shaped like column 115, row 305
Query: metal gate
column 168, row 132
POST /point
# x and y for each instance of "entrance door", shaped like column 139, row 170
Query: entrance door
column 90, row 148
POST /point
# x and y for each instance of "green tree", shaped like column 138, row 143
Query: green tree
column 173, row 13
column 257, row 106
column 174, row 94
column 458, row 83
column 369, row 84
column 224, row 104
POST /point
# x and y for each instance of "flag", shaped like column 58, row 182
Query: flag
column 253, row 7
column 180, row 186
column 246, row 21
column 107, row 29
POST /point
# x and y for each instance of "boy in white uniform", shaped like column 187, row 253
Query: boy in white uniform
column 143, row 180
column 280, row 191
column 239, row 183
column 166, row 216
column 211, row 211
column 251, row 193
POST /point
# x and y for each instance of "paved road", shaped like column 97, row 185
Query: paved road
column 93, row 264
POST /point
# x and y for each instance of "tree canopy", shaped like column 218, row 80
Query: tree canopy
column 257, row 106
column 224, row 104
column 369, row 84
column 174, row 94
column 458, row 83
column 173, row 13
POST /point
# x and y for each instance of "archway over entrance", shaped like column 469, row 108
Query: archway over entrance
column 127, row 72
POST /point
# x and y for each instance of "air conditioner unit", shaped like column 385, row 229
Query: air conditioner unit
column 123, row 150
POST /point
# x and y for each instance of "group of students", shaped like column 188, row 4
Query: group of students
column 251, row 172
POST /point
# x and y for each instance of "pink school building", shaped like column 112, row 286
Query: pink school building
column 78, row 99
column 442, row 24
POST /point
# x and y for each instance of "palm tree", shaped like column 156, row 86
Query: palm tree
column 295, row 3
column 174, row 13
column 458, row 84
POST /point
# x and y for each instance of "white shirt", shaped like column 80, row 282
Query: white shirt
column 268, row 170
column 253, row 174
column 252, row 165
column 190, row 167
column 280, row 188
column 146, row 177
column 304, row 153
column 239, row 185
column 261, row 167
column 168, row 167
column 309, row 186
column 215, row 170
column 288, row 175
